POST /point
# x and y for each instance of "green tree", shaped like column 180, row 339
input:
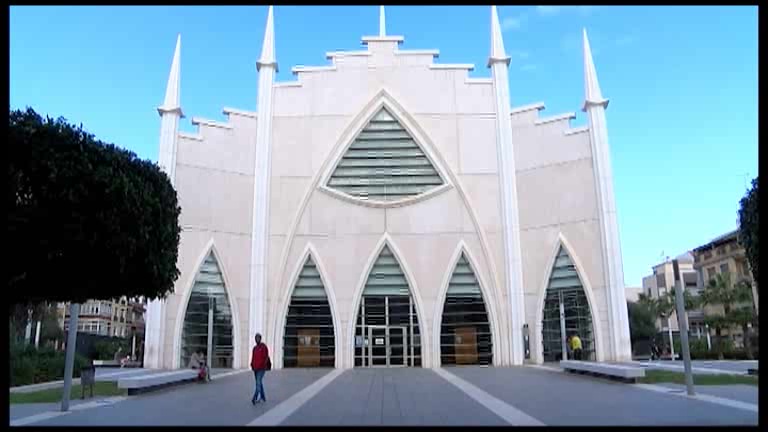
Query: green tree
column 642, row 323
column 85, row 219
column 737, row 308
column 748, row 228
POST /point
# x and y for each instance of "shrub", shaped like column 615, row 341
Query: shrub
column 29, row 365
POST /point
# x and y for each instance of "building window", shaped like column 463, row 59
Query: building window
column 308, row 340
column 724, row 268
column 384, row 164
column 566, row 290
column 711, row 272
column 465, row 333
column 209, row 286
column 387, row 325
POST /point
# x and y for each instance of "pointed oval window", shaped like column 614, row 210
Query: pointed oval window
column 387, row 329
column 309, row 333
column 566, row 312
column 208, row 298
column 465, row 333
column 384, row 164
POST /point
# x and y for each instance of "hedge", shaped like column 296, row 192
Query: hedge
column 29, row 365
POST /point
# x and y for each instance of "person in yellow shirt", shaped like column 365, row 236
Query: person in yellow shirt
column 576, row 347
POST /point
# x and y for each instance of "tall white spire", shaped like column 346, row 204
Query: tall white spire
column 382, row 22
column 170, row 114
column 268, row 46
column 497, row 43
column 172, row 90
column 592, row 91
column 498, row 61
column 594, row 106
column 266, row 66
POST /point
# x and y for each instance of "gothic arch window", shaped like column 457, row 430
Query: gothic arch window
column 387, row 328
column 465, row 333
column 566, row 311
column 308, row 340
column 384, row 164
column 208, row 292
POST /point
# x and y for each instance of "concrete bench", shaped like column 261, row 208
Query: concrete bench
column 623, row 373
column 155, row 381
column 115, row 363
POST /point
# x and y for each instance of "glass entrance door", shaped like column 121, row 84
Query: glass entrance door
column 377, row 347
column 398, row 346
column 388, row 346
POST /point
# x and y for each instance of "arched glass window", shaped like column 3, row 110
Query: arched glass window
column 208, row 290
column 309, row 333
column 387, row 329
column 384, row 163
column 566, row 311
column 465, row 334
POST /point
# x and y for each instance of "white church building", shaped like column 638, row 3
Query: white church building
column 387, row 210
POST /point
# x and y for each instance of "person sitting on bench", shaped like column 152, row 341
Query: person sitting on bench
column 197, row 361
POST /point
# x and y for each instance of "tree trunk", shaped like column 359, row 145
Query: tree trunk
column 747, row 342
column 719, row 344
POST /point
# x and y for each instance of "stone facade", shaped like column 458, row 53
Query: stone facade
column 453, row 119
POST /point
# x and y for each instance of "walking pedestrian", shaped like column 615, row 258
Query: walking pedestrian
column 576, row 346
column 260, row 364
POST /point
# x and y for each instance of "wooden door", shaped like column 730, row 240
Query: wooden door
column 309, row 348
column 465, row 345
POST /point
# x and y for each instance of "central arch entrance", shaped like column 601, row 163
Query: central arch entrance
column 387, row 328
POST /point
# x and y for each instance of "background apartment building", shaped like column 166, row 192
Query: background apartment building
column 724, row 254
column 662, row 281
column 107, row 318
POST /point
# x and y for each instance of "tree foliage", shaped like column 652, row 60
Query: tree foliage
column 642, row 322
column 748, row 227
column 737, row 307
column 85, row 219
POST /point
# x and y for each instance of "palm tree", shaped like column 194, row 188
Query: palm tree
column 719, row 291
column 661, row 307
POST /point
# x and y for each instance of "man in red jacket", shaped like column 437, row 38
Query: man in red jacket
column 259, row 364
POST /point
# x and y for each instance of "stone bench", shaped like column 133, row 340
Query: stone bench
column 155, row 381
column 623, row 373
column 115, row 363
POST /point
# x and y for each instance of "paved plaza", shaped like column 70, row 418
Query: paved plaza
column 459, row 396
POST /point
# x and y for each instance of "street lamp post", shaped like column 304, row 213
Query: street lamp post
column 683, row 326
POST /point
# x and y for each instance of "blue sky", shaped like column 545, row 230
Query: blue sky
column 682, row 81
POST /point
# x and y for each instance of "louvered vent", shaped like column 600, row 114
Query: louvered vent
column 564, row 275
column 386, row 277
column 384, row 163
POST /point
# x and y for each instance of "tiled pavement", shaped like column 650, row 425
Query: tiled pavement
column 392, row 397
column 414, row 397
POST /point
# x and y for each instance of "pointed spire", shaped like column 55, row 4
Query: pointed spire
column 592, row 93
column 172, row 91
column 268, row 47
column 498, row 54
column 382, row 22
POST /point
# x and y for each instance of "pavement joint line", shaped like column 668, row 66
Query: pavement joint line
column 547, row 368
column 502, row 409
column 226, row 374
column 700, row 396
column 706, row 370
column 36, row 418
column 284, row 409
